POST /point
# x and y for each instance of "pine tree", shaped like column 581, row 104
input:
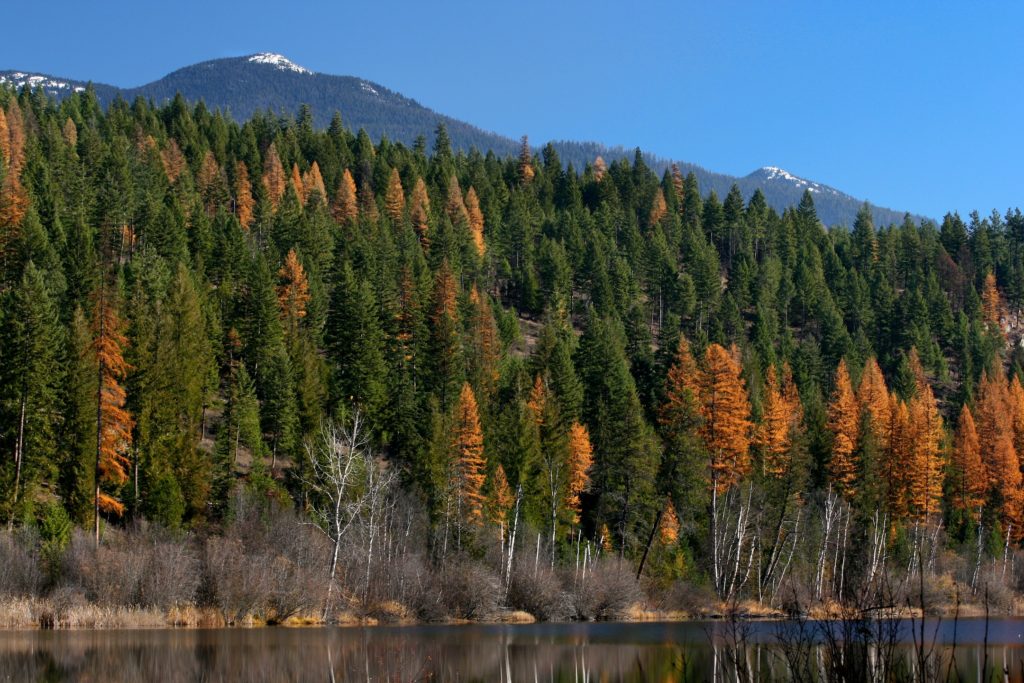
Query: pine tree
column 659, row 209
column 394, row 200
column 526, row 171
column 500, row 499
column 313, row 185
column 668, row 527
column 292, row 291
column 844, row 424
column 32, row 378
column 455, row 207
column 873, row 398
column 927, row 462
column 992, row 306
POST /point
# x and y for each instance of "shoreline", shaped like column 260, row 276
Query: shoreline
column 42, row 614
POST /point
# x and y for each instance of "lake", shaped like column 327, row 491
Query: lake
column 533, row 652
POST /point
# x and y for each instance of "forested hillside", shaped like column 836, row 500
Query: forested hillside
column 197, row 314
column 270, row 83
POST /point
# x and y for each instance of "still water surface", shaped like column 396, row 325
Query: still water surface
column 537, row 652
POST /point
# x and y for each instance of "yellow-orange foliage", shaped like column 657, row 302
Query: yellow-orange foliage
column 293, row 288
column 345, row 207
column 244, row 203
column 970, row 482
column 538, row 400
column 924, row 490
column 677, row 185
column 297, row 185
column 844, row 423
column 605, row 538
column 1016, row 395
column 501, row 496
column 70, row 133
column 476, row 221
column 600, row 169
column 658, row 208
column 13, row 196
column 15, row 156
column 485, row 339
column 419, row 211
column 526, row 171
column 445, row 302
column 873, row 399
column 394, row 200
column 898, row 454
column 668, row 528
column 995, row 439
column 682, row 391
column 726, row 411
column 368, row 203
column 114, row 422
column 455, row 207
column 581, row 458
column 991, row 305
column 273, row 176
column 782, row 414
column 5, row 141
column 173, row 161
column 469, row 457
column 313, row 184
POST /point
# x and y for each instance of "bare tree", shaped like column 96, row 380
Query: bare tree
column 349, row 481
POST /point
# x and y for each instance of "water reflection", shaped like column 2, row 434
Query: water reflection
column 542, row 652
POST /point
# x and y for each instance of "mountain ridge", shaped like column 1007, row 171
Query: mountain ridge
column 263, row 81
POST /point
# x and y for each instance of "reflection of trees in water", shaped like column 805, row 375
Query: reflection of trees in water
column 416, row 654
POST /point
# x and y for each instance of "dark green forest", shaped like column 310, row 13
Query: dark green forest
column 599, row 361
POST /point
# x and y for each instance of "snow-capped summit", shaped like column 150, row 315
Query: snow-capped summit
column 279, row 61
column 781, row 174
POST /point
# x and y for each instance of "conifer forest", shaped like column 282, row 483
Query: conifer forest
column 267, row 370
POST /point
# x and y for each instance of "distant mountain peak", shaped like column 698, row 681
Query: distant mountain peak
column 775, row 173
column 279, row 61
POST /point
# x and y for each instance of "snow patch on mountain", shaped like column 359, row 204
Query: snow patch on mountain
column 20, row 79
column 366, row 87
column 279, row 61
column 781, row 174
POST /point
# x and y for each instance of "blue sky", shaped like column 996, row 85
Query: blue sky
column 912, row 105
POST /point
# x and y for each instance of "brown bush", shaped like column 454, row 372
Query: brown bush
column 608, row 591
column 469, row 590
column 541, row 594
column 22, row 574
column 172, row 575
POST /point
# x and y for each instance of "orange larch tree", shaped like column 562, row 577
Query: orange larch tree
column 873, row 399
column 898, row 452
column 995, row 439
column 470, row 465
column 600, row 169
column 844, row 424
column 581, row 458
column 244, row 203
column 454, row 207
column 298, row 185
column 677, row 186
column 313, row 184
column 725, row 409
column 926, row 465
column 476, row 221
column 484, row 343
column 668, row 527
column 70, row 133
column 419, row 211
column 13, row 195
column 538, row 400
column 113, row 422
column 681, row 407
column 292, row 290
column 273, row 176
column 173, row 161
column 210, row 183
column 970, row 482
column 5, row 141
column 526, row 171
column 345, row 207
column 1016, row 396
column 394, row 199
column 991, row 304
column 659, row 209
column 774, row 435
column 500, row 498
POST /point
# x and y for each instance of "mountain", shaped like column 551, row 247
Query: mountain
column 268, row 81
